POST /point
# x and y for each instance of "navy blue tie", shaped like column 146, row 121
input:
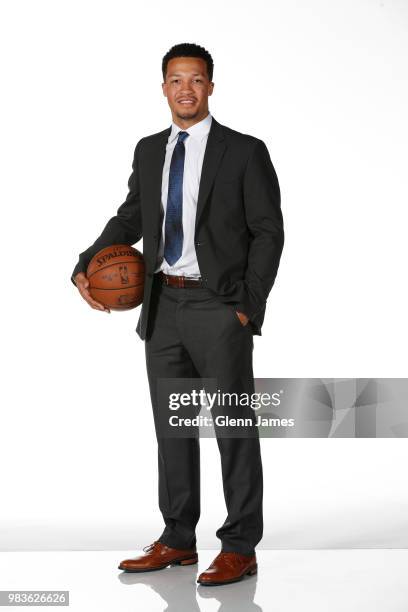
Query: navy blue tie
column 173, row 228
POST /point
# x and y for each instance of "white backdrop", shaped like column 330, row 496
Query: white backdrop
column 323, row 83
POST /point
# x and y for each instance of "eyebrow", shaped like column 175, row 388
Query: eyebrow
column 180, row 74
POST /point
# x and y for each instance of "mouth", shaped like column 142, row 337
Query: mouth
column 186, row 101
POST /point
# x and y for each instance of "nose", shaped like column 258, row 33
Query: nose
column 186, row 88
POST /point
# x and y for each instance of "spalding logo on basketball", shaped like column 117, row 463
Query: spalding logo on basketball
column 116, row 277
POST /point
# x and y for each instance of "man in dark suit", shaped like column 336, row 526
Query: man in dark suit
column 206, row 200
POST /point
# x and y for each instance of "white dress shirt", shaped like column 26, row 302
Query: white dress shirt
column 194, row 145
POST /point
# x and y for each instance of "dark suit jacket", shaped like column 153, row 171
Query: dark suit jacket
column 238, row 229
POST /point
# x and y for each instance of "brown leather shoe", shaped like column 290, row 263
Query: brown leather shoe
column 158, row 556
column 228, row 567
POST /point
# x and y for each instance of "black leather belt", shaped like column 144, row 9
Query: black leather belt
column 180, row 281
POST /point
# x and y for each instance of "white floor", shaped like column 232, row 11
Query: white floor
column 365, row 580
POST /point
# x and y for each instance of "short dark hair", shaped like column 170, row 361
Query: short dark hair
column 188, row 50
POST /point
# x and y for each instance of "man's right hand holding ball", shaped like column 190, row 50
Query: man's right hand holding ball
column 82, row 284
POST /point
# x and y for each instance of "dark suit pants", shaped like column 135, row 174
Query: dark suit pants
column 191, row 334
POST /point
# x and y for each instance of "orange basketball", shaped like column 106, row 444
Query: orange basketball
column 116, row 277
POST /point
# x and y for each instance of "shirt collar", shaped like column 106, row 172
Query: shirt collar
column 196, row 131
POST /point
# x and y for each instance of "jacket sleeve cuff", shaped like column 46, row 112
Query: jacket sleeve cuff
column 78, row 268
column 247, row 304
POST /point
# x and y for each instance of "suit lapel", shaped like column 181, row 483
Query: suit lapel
column 214, row 151
column 152, row 175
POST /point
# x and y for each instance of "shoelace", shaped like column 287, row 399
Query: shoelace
column 150, row 547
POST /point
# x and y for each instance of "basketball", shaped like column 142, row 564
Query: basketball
column 116, row 277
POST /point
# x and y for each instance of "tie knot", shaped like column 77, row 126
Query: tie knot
column 182, row 136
